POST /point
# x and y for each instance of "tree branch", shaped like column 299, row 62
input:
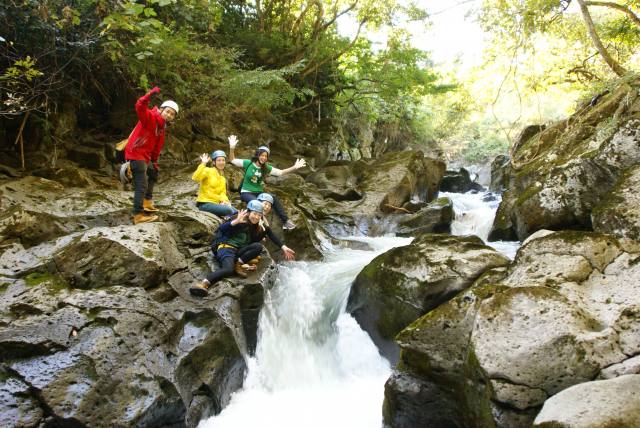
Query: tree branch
column 617, row 6
column 591, row 28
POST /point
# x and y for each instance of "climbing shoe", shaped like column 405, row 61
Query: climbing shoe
column 144, row 218
column 200, row 289
column 147, row 205
column 288, row 225
column 240, row 270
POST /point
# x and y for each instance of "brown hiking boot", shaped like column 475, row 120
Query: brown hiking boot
column 147, row 205
column 200, row 289
column 144, row 218
column 240, row 271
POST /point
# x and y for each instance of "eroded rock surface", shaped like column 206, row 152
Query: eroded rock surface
column 404, row 283
column 565, row 312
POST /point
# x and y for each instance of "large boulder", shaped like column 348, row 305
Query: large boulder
column 619, row 212
column 561, row 314
column 499, row 174
column 369, row 190
column 603, row 403
column 406, row 282
column 436, row 216
column 458, row 182
column 559, row 175
column 93, row 307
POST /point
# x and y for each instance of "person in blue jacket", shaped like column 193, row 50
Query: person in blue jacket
column 237, row 242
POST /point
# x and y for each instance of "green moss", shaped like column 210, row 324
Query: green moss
column 441, row 202
column 54, row 283
column 148, row 253
column 527, row 194
column 36, row 278
column 4, row 286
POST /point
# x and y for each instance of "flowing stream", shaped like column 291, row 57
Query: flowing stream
column 474, row 214
column 314, row 366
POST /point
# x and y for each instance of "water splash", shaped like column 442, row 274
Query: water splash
column 314, row 366
column 474, row 214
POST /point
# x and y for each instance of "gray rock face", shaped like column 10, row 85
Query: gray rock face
column 619, row 212
column 499, row 174
column 366, row 191
column 433, row 217
column 603, row 403
column 404, row 283
column 458, row 182
column 97, row 327
column 562, row 314
column 560, row 175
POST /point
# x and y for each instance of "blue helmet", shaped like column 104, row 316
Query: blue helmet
column 218, row 154
column 265, row 197
column 255, row 205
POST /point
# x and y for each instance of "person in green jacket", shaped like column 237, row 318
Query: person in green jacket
column 256, row 170
column 212, row 194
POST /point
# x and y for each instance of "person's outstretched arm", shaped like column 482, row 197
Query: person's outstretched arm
column 300, row 163
column 233, row 142
column 200, row 173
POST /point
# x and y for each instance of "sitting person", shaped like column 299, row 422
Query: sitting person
column 238, row 242
column 212, row 194
column 267, row 204
column 256, row 170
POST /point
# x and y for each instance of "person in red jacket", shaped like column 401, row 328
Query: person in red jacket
column 143, row 151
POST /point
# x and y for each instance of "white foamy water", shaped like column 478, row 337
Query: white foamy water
column 314, row 366
column 474, row 216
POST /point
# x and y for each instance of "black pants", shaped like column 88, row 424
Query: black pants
column 277, row 205
column 144, row 178
column 227, row 258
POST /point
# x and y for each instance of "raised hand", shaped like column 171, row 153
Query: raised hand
column 243, row 216
column 233, row 141
column 288, row 253
column 154, row 90
column 300, row 163
column 205, row 158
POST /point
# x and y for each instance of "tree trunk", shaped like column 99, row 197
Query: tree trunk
column 617, row 68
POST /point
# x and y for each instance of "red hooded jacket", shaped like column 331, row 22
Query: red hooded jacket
column 147, row 138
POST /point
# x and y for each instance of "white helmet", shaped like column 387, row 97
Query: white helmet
column 172, row 104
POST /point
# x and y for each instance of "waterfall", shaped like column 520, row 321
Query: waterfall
column 314, row 366
column 474, row 214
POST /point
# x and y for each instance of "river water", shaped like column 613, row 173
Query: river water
column 314, row 366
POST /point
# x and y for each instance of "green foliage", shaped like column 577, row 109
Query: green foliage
column 258, row 64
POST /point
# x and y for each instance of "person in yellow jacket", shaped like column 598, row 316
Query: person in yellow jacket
column 212, row 195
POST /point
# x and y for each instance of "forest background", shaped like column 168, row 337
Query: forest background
column 272, row 67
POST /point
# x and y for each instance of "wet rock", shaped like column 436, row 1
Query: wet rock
column 565, row 310
column 458, row 182
column 38, row 210
column 104, row 310
column 614, row 402
column 434, row 217
column 500, row 174
column 382, row 185
column 404, row 283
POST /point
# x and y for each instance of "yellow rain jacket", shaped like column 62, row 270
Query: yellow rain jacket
column 213, row 185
